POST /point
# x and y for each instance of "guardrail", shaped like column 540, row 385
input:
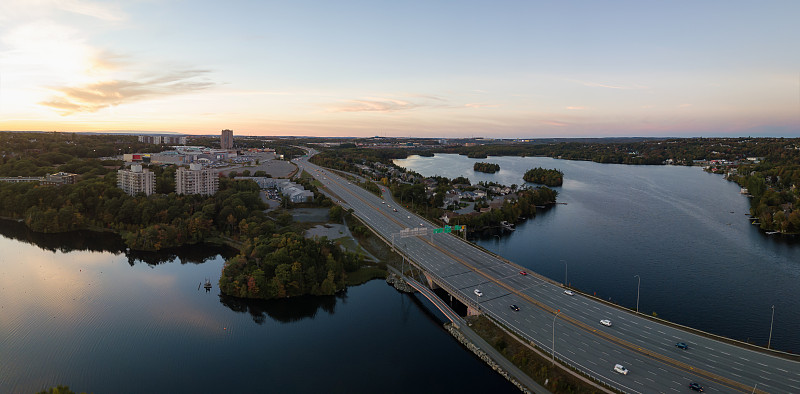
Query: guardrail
column 468, row 301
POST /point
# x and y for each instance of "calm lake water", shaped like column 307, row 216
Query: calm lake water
column 79, row 310
column 682, row 230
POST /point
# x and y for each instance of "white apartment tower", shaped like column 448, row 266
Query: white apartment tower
column 196, row 180
column 136, row 180
column 226, row 139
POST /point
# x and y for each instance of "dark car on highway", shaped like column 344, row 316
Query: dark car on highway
column 681, row 345
column 695, row 387
column 515, row 308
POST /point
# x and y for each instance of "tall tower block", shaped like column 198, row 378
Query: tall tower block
column 226, row 139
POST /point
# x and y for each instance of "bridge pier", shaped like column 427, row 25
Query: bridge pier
column 472, row 311
column 431, row 283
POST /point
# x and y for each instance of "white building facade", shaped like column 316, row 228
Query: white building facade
column 196, row 180
column 136, row 180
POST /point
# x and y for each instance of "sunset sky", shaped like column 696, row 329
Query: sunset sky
column 430, row 68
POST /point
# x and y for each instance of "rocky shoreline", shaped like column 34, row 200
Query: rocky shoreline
column 483, row 356
column 399, row 284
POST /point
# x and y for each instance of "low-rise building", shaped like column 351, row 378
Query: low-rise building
column 59, row 178
column 286, row 187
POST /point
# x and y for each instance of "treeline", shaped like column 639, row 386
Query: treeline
column 146, row 223
column 345, row 158
column 775, row 195
column 51, row 149
column 489, row 168
column 511, row 211
column 287, row 265
column 544, row 176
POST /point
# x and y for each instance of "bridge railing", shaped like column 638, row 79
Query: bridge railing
column 563, row 359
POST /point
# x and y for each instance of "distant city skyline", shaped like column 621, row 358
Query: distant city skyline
column 510, row 69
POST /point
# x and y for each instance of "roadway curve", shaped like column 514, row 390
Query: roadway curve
column 645, row 347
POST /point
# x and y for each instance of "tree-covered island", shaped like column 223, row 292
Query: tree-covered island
column 489, row 168
column 544, row 176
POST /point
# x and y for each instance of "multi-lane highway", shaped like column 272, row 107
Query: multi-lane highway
column 645, row 347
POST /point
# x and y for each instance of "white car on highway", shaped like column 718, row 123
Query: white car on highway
column 620, row 369
column 569, row 292
column 606, row 322
column 478, row 293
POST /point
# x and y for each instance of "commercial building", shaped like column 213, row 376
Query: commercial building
column 136, row 180
column 226, row 139
column 196, row 180
column 286, row 187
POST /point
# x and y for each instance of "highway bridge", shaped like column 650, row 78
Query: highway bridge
column 570, row 324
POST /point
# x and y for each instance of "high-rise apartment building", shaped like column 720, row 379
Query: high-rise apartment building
column 226, row 139
column 136, row 180
column 196, row 180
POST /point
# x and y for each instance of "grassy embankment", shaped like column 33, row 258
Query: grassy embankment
column 537, row 367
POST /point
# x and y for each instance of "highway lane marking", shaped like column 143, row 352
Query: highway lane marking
column 609, row 337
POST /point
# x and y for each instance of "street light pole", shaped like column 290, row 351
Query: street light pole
column 637, row 292
column 565, row 272
column 554, row 336
column 770, row 326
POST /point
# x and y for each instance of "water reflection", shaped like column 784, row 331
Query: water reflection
column 286, row 310
column 63, row 242
column 93, row 241
column 194, row 254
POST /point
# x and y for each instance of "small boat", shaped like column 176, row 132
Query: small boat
column 773, row 232
column 207, row 285
column 507, row 225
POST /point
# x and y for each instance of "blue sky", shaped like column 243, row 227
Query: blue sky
column 415, row 68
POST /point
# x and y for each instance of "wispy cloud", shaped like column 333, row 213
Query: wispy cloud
column 429, row 97
column 95, row 96
column 408, row 102
column 375, row 105
column 480, row 105
column 609, row 86
column 554, row 123
column 576, row 108
column 16, row 10
column 97, row 10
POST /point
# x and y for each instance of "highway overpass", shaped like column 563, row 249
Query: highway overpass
column 551, row 319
